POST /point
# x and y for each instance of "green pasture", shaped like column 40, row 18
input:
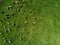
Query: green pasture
column 30, row 22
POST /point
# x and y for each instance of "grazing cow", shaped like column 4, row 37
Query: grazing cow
column 0, row 1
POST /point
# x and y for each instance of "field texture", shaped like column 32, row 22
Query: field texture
column 30, row 22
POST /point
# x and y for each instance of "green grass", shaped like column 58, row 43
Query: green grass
column 46, row 31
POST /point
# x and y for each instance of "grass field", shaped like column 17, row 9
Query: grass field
column 30, row 22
